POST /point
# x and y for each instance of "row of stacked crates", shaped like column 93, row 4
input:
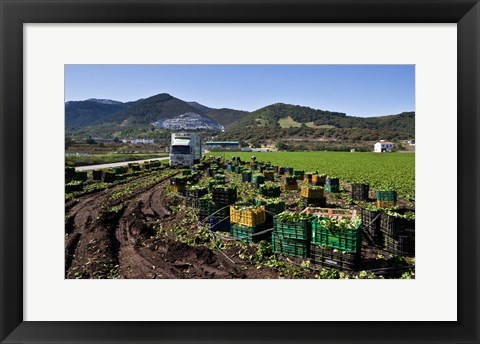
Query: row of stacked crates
column 309, row 237
column 390, row 231
column 248, row 223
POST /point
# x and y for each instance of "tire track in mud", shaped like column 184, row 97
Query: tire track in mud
column 91, row 244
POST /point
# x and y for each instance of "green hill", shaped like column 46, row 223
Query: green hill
column 283, row 121
column 226, row 117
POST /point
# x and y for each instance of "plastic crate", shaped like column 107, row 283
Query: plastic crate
column 270, row 192
column 333, row 258
column 224, row 196
column 290, row 247
column 307, row 192
column 349, row 240
column 298, row 174
column 249, row 234
column 389, row 196
column 75, row 186
column 293, row 230
column 319, row 179
column 271, row 207
column 360, row 192
column 393, row 225
column 258, row 179
column 386, row 204
column 269, row 176
column 178, row 188
column 197, row 193
column 108, row 177
column 220, row 224
column 371, row 224
column 332, row 185
column 246, row 176
column 97, row 175
column 248, row 217
column 399, row 244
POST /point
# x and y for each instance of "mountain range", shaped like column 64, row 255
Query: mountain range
column 162, row 112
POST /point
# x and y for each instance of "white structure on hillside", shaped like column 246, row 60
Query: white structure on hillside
column 383, row 146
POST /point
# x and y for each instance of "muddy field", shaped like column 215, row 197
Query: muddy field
column 140, row 229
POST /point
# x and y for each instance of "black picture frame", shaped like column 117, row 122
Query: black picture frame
column 466, row 13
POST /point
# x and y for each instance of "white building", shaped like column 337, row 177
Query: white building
column 383, row 146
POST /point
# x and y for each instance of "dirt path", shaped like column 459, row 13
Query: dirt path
column 125, row 243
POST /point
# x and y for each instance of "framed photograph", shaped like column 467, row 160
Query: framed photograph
column 239, row 172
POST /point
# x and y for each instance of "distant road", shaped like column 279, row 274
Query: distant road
column 115, row 164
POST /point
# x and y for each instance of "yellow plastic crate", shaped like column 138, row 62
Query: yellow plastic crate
column 248, row 217
column 386, row 204
column 178, row 188
column 318, row 179
column 310, row 193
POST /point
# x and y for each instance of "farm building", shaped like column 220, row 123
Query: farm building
column 230, row 145
column 383, row 146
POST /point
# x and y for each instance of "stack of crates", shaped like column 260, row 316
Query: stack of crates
column 222, row 198
column 337, row 249
column 219, row 178
column 360, row 192
column 371, row 225
column 398, row 234
column 219, row 224
column 258, row 179
column 298, row 174
column 204, row 205
column 319, row 179
column 269, row 175
column 179, row 185
column 290, row 184
column 332, row 185
column 246, row 223
column 270, row 190
column 292, row 238
column 313, row 195
column 280, row 170
column 386, row 199
column 194, row 195
column 288, row 171
column 246, row 176
column 273, row 206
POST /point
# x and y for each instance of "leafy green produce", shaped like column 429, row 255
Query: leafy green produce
column 290, row 216
column 340, row 225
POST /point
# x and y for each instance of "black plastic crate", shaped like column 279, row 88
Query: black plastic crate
column 399, row 244
column 220, row 224
column 197, row 193
column 360, row 192
column 393, row 225
column 333, row 258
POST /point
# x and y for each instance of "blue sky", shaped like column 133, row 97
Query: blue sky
column 357, row 90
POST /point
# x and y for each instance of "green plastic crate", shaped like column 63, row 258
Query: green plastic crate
column 290, row 247
column 293, row 230
column 258, row 179
column 349, row 240
column 389, row 196
column 246, row 234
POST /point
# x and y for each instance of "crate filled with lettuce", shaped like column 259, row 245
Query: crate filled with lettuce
column 270, row 189
column 343, row 234
column 291, row 233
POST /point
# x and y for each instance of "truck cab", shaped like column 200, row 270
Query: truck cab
column 185, row 149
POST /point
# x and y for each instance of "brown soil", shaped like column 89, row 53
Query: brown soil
column 124, row 243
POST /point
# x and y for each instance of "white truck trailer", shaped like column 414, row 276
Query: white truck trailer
column 185, row 149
